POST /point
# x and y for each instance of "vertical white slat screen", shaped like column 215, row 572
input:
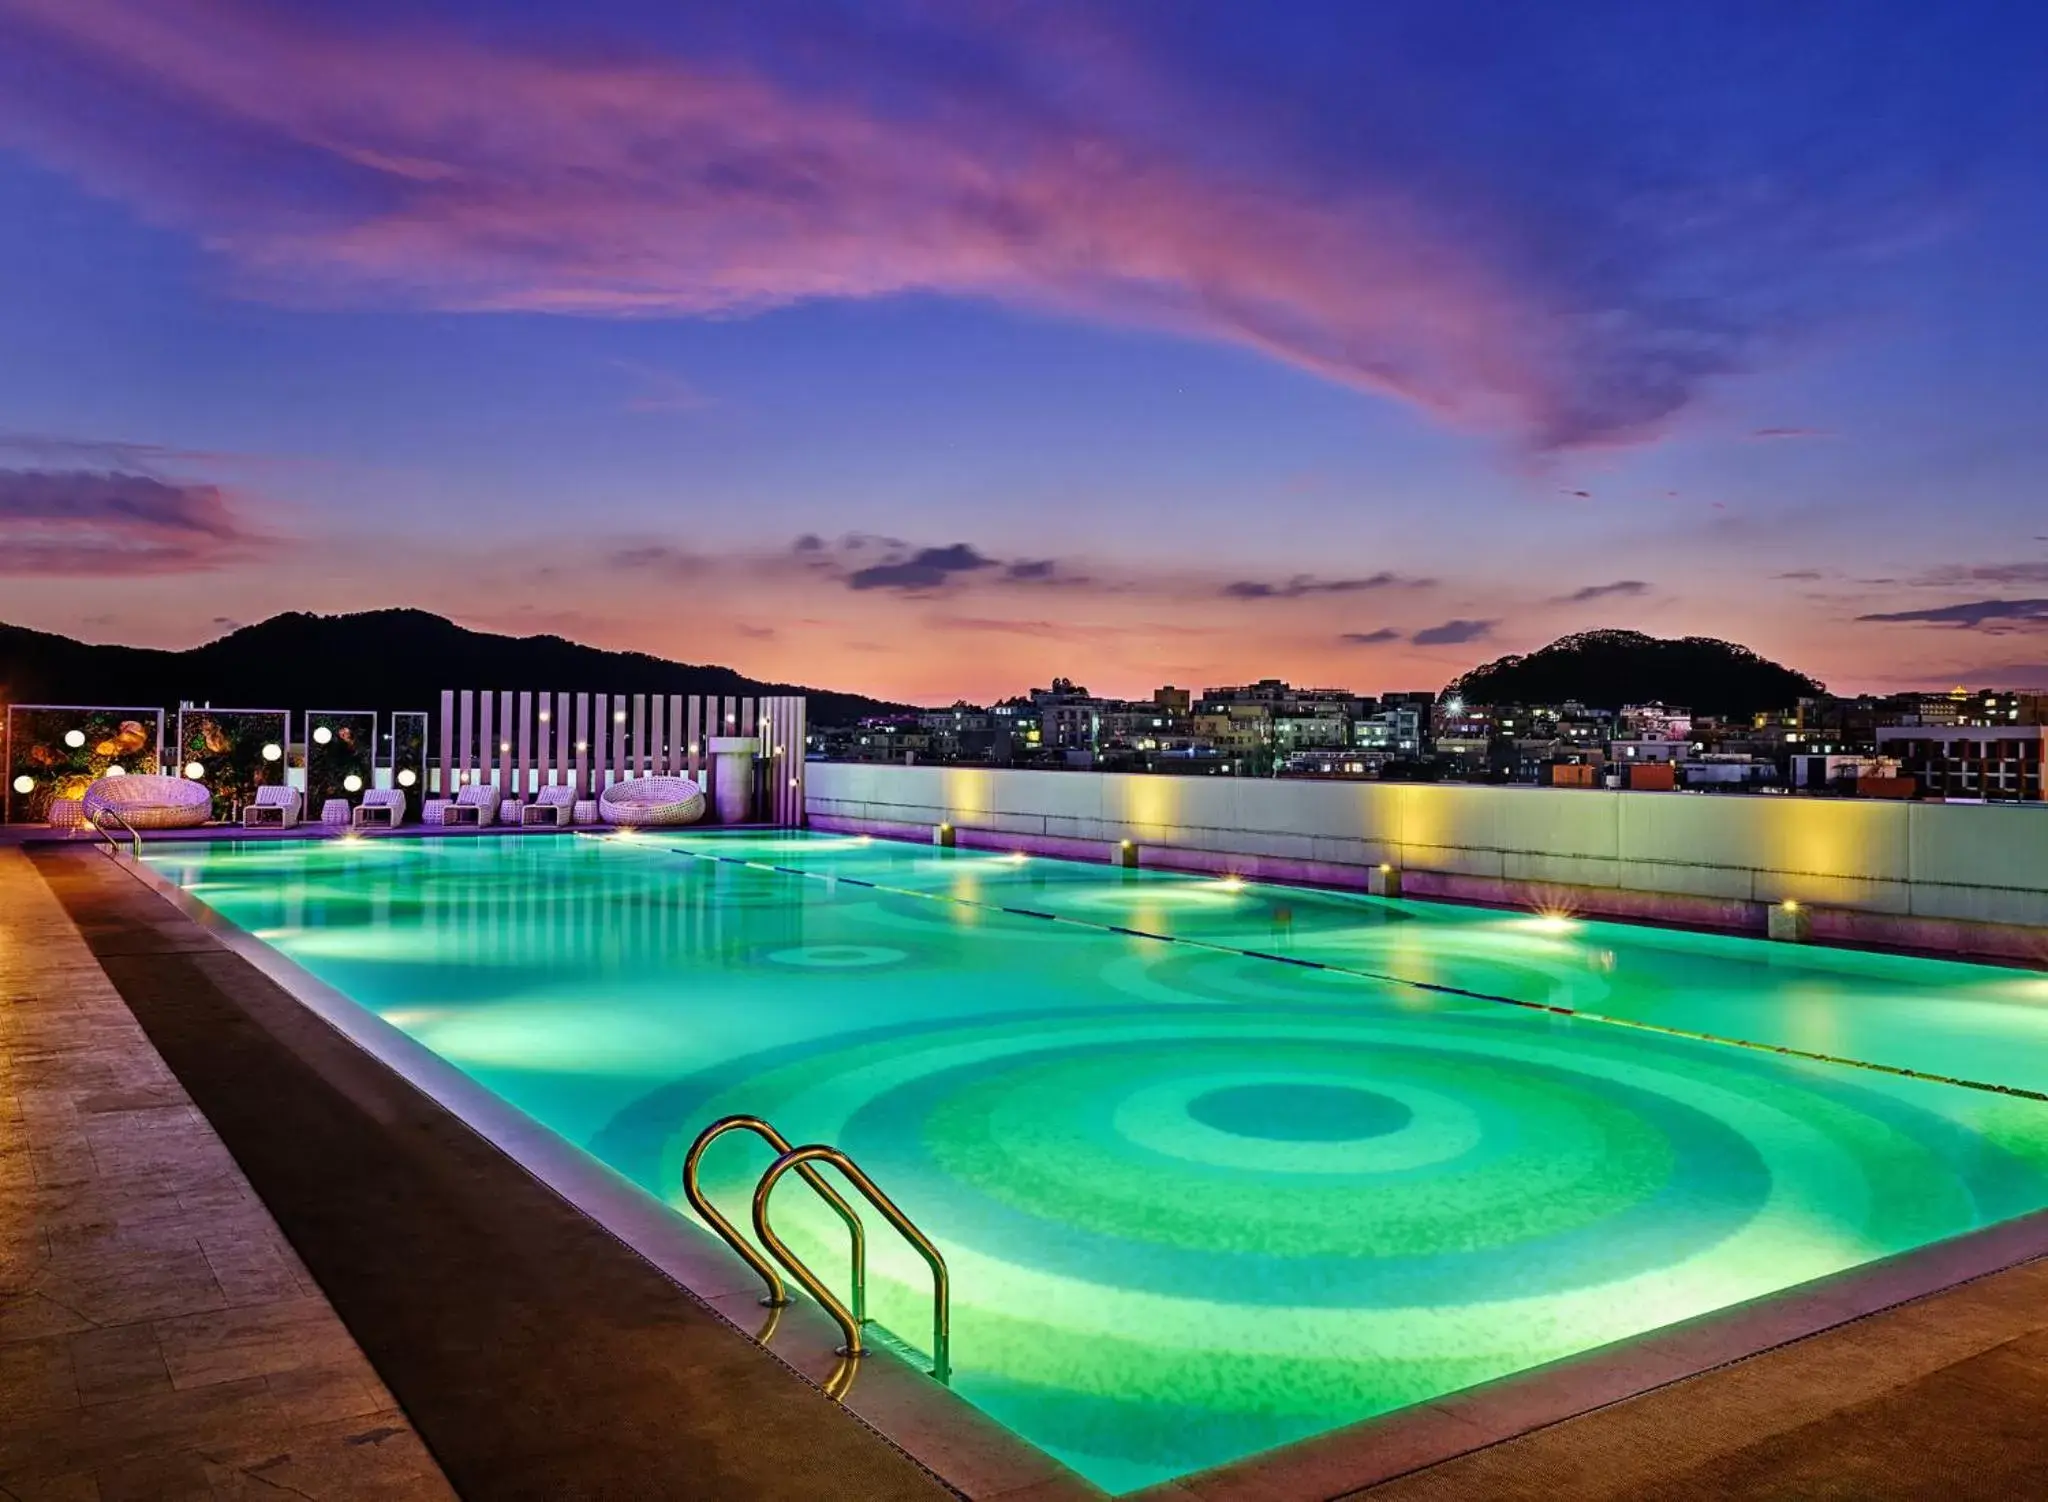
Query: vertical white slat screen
column 447, row 746
column 525, row 743
column 527, row 739
column 465, row 751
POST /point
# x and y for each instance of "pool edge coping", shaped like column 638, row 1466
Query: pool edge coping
column 917, row 1416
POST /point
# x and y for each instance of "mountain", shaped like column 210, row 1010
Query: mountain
column 1607, row 669
column 378, row 659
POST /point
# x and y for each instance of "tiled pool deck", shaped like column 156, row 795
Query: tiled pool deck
column 158, row 1337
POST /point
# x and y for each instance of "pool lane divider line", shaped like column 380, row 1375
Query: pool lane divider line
column 1435, row 987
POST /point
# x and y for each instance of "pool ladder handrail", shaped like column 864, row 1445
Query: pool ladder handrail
column 799, row 1160
column 113, row 846
column 777, row 1296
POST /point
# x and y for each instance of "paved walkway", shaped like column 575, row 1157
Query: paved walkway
column 158, row 1338
column 1943, row 1398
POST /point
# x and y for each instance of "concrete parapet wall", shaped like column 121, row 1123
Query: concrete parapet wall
column 1966, row 878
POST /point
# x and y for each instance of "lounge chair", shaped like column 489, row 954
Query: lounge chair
column 551, row 806
column 476, row 804
column 652, row 800
column 385, row 806
column 145, row 800
column 274, row 806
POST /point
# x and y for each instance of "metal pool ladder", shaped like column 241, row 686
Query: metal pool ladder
column 800, row 1160
column 113, row 846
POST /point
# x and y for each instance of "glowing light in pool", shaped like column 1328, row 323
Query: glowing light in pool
column 1232, row 883
column 1552, row 923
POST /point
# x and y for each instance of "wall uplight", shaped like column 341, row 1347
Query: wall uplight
column 352, row 783
column 74, row 738
column 195, row 770
column 322, row 734
column 24, row 784
column 272, row 751
column 407, row 778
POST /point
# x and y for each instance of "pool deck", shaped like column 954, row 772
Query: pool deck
column 535, row 1355
column 1945, row 1397
column 158, row 1336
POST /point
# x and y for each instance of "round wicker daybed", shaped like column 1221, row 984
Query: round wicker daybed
column 652, row 800
column 148, row 801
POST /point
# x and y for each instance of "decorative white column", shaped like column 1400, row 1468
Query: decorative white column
column 732, row 775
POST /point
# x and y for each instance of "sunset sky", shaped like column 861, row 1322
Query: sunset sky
column 933, row 349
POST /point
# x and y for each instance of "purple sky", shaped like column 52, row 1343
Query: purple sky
column 934, row 349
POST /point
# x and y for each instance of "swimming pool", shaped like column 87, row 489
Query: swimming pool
column 1215, row 1166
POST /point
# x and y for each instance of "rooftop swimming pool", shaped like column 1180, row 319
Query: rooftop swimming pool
column 1215, row 1166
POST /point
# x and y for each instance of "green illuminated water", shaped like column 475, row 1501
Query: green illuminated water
column 1196, row 1201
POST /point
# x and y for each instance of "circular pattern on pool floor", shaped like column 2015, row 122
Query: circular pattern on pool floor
column 837, row 956
column 1179, row 1234
column 1300, row 1112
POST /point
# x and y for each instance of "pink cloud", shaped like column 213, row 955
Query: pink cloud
column 418, row 166
column 78, row 522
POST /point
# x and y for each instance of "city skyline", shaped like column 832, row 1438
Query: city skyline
column 931, row 351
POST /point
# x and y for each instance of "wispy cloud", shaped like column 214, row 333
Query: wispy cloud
column 1619, row 588
column 65, row 451
column 86, row 523
column 1454, row 633
column 659, row 390
column 1952, row 575
column 660, row 559
column 331, row 159
column 1791, row 433
column 1370, row 638
column 1307, row 584
column 1988, row 615
column 926, row 569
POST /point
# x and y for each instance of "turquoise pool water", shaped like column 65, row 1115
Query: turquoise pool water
column 1197, row 1200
